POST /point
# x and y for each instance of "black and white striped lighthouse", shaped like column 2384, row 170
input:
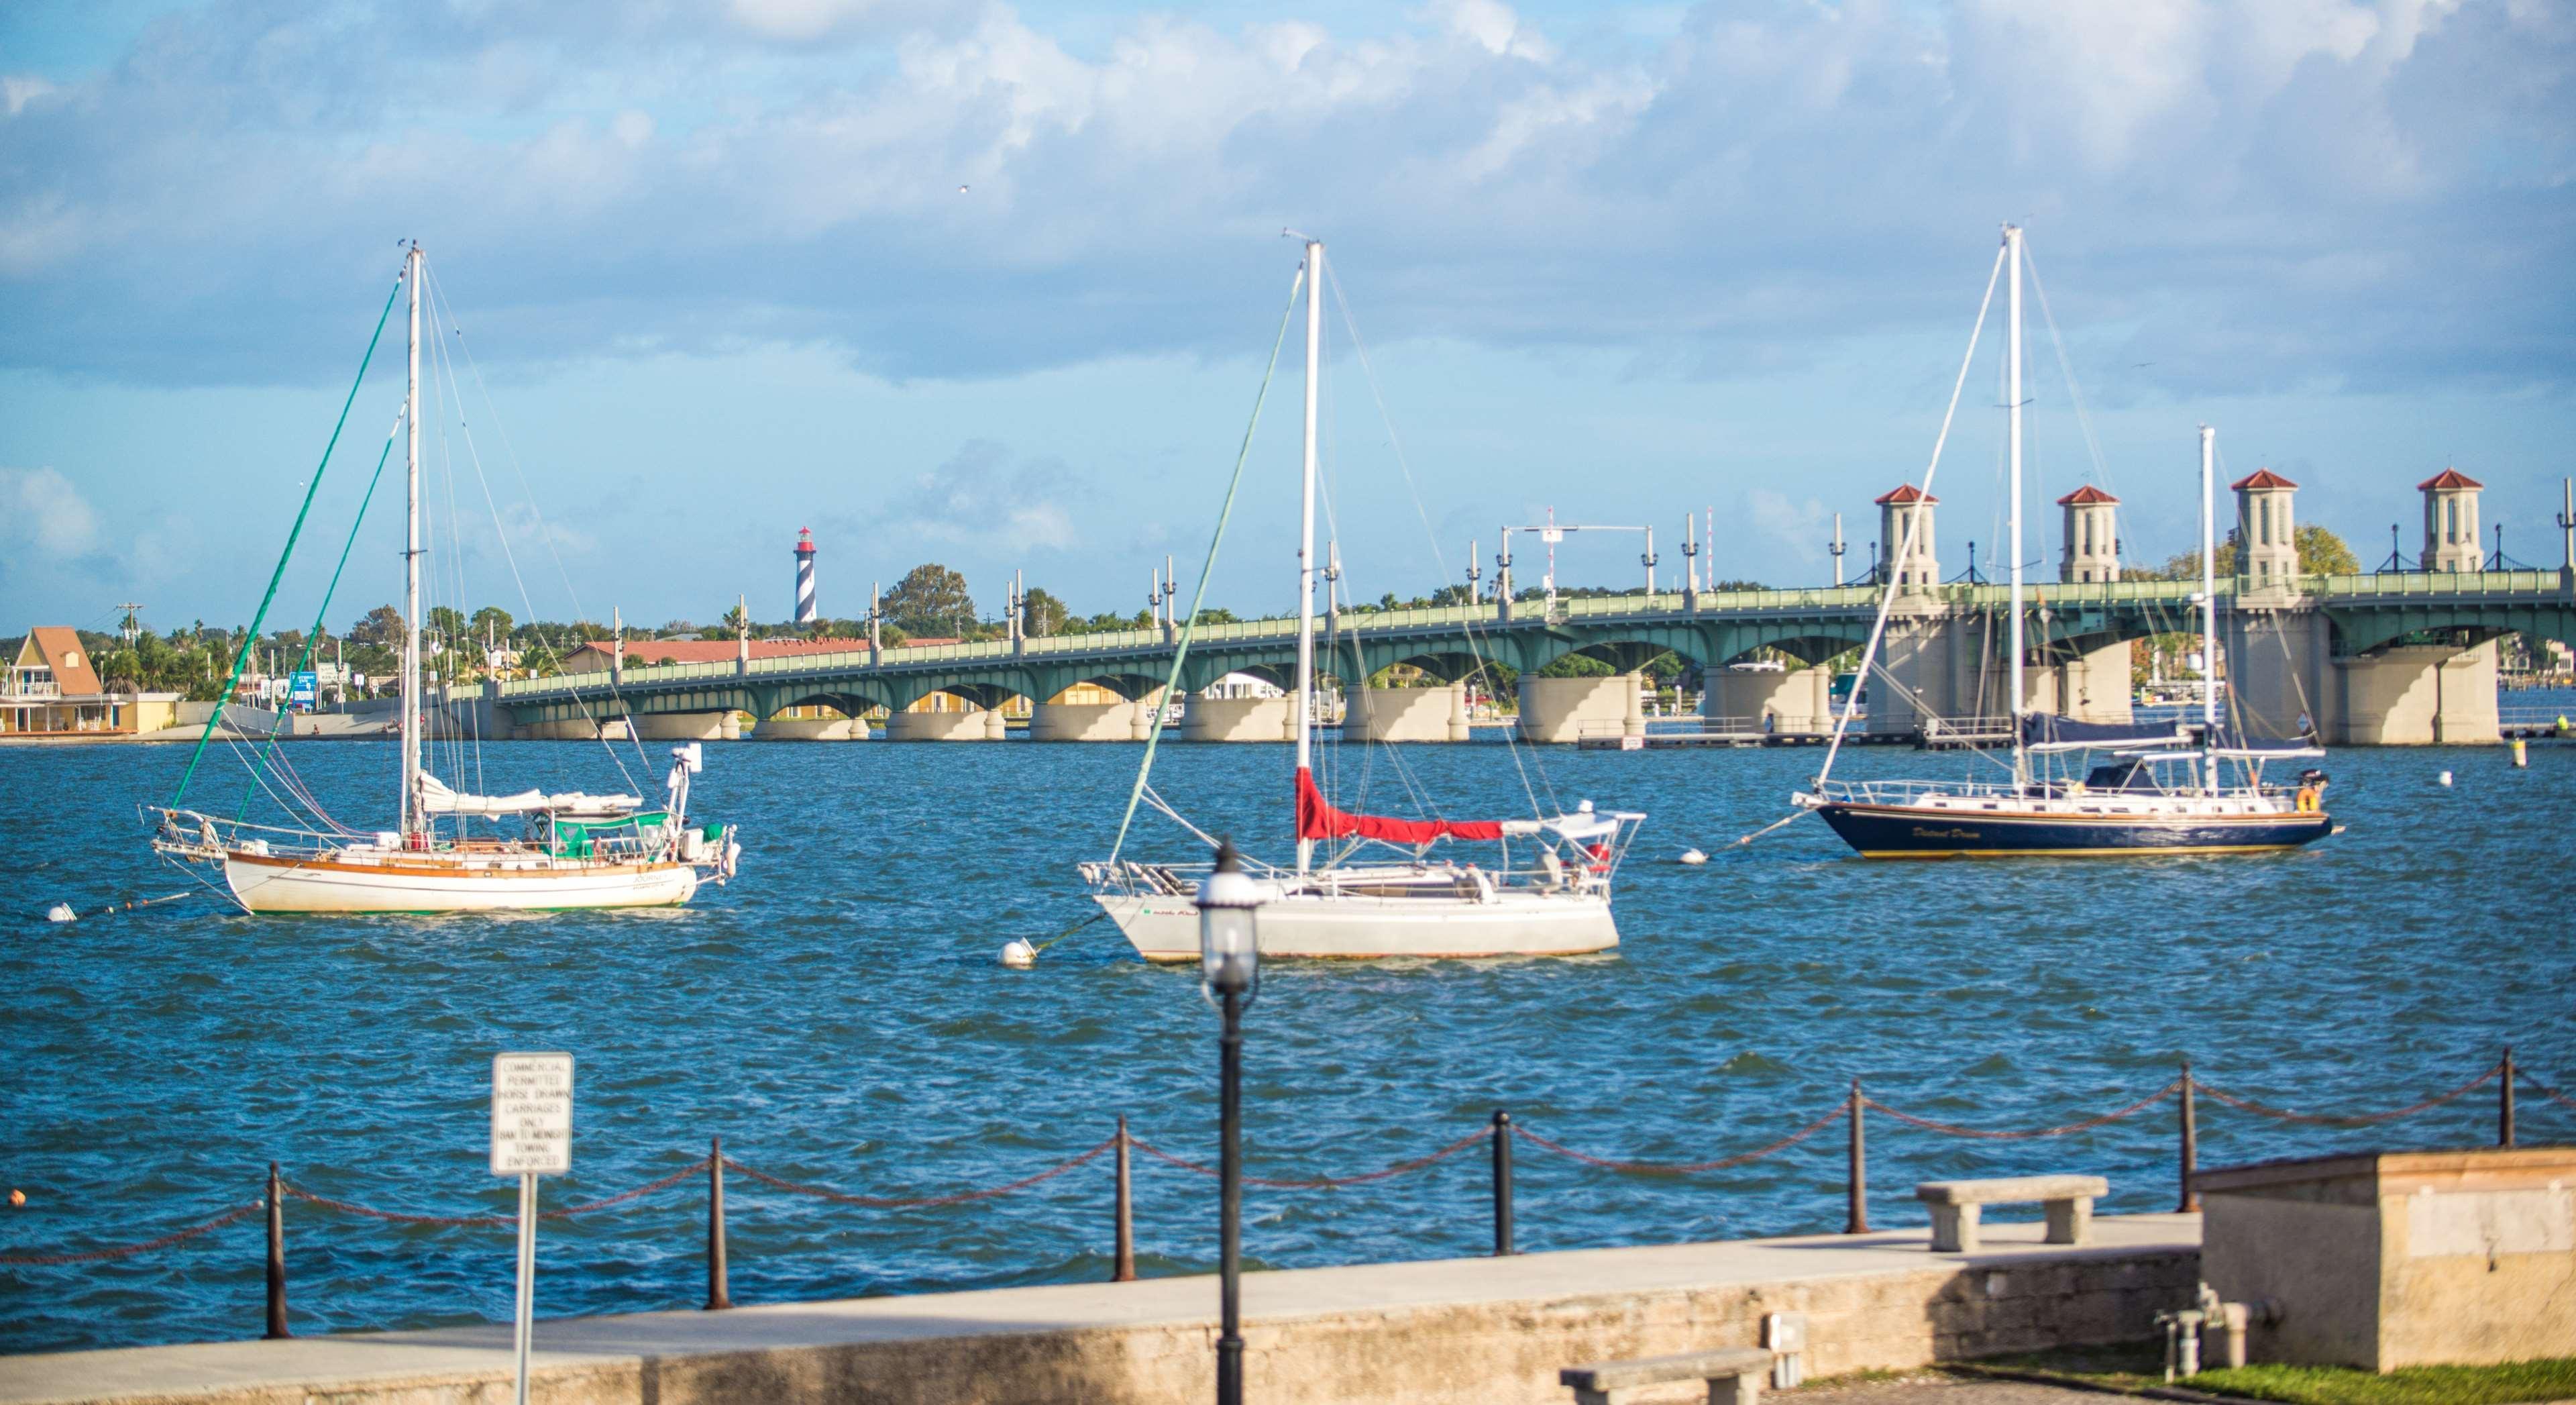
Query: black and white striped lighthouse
column 804, row 575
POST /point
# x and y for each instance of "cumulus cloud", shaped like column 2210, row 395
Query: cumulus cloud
column 983, row 497
column 1783, row 527
column 43, row 513
column 2250, row 192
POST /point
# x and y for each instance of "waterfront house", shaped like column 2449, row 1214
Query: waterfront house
column 53, row 689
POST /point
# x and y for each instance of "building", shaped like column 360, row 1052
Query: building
column 53, row 689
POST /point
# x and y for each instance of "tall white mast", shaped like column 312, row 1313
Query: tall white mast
column 2208, row 601
column 1306, row 531
column 2012, row 397
column 411, row 820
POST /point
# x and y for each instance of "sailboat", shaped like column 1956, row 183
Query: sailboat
column 1383, row 893
column 2169, row 789
column 575, row 850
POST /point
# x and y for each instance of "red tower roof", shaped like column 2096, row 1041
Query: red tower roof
column 1906, row 494
column 2449, row 478
column 804, row 541
column 2261, row 478
column 2085, row 495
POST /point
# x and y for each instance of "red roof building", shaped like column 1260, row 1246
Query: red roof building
column 2261, row 478
column 2086, row 496
column 2448, row 479
column 1906, row 494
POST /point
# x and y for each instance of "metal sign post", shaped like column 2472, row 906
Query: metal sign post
column 531, row 1137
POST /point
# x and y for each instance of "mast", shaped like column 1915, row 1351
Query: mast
column 2208, row 603
column 1306, row 532
column 2012, row 396
column 412, row 822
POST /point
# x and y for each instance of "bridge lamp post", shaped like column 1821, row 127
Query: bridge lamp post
column 1229, row 903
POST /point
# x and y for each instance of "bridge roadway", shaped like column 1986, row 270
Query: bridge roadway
column 2360, row 615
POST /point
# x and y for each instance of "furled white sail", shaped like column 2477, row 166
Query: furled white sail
column 437, row 798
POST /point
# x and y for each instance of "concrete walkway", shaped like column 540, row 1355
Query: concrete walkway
column 1465, row 1330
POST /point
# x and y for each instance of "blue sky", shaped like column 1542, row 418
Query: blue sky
column 716, row 270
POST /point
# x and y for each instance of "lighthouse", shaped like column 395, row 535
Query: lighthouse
column 804, row 575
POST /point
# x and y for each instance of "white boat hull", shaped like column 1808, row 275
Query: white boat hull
column 422, row 883
column 1350, row 927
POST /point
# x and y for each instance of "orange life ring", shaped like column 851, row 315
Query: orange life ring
column 2308, row 799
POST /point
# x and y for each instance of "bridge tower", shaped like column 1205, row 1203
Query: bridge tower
column 2267, row 548
column 804, row 576
column 2092, row 536
column 2451, row 522
column 1917, row 567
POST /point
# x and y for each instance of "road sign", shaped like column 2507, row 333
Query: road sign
column 301, row 690
column 531, row 1114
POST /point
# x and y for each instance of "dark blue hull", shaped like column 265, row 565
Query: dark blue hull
column 1902, row 832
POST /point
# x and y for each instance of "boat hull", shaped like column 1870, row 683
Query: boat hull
column 267, row 884
column 1354, row 928
column 1909, row 832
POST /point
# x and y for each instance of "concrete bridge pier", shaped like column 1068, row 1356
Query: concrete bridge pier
column 1407, row 714
column 2420, row 695
column 808, row 729
column 976, row 725
column 1206, row 719
column 689, row 726
column 1562, row 709
column 1087, row 722
column 1796, row 700
column 2092, row 686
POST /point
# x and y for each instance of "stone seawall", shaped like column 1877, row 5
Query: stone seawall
column 1462, row 1331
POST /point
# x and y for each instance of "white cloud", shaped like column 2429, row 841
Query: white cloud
column 1797, row 529
column 981, row 497
column 43, row 513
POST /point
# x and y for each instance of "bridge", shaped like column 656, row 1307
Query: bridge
column 2388, row 657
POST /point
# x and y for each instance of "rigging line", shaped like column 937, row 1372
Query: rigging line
column 1887, row 598
column 1198, row 597
column 252, row 638
column 2074, row 390
column 519, row 469
column 1395, row 441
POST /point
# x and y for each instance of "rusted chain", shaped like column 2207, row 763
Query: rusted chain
column 2362, row 1119
column 2545, row 1090
column 1670, row 1168
column 180, row 1236
column 1321, row 1182
column 2089, row 1123
column 889, row 1202
column 347, row 1207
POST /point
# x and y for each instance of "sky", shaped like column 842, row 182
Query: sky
column 995, row 286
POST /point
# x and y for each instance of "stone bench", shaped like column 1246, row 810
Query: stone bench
column 1958, row 1205
column 1734, row 1375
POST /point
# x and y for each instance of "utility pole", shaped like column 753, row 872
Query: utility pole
column 129, row 627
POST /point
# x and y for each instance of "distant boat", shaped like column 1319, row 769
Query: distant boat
column 1550, row 898
column 576, row 850
column 2172, row 788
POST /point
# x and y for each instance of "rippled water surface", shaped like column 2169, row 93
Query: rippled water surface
column 837, row 1015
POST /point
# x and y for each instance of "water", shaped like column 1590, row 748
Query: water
column 838, row 1016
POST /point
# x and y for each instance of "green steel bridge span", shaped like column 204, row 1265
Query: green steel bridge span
column 2364, row 614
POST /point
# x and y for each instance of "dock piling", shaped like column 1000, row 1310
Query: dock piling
column 1123, row 1265
column 719, row 1291
column 276, row 1258
column 2504, row 1102
column 2188, row 1117
column 1856, row 1188
column 1502, row 1184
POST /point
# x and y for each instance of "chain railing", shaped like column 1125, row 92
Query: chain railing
column 1499, row 1135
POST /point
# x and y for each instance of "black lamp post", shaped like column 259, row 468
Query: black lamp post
column 1229, row 976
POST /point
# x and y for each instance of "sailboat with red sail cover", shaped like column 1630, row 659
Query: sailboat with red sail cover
column 1377, row 886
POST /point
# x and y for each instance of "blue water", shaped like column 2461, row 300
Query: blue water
column 838, row 1016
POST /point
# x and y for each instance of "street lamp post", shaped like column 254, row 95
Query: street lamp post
column 1229, row 976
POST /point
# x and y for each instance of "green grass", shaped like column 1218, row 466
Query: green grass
column 2137, row 1365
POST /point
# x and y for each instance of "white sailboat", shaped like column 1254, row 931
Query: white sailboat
column 1382, row 893
column 576, row 850
column 2165, row 790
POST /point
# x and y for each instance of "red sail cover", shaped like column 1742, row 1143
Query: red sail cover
column 1317, row 819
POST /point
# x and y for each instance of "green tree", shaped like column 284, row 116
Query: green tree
column 931, row 600
column 2321, row 553
column 382, row 627
column 448, row 622
column 491, row 621
column 1046, row 614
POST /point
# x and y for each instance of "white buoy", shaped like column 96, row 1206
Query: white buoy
column 1019, row 955
column 2443, row 780
column 1693, row 856
column 60, row 912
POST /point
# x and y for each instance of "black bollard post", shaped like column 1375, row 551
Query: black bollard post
column 1123, row 1266
column 276, row 1258
column 719, row 1289
column 1856, row 1219
column 2504, row 1102
column 1502, row 1183
column 2189, row 1117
